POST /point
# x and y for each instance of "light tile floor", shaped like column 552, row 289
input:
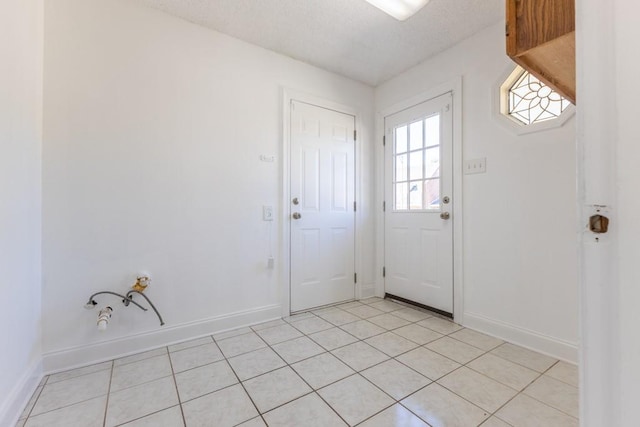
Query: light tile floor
column 372, row 363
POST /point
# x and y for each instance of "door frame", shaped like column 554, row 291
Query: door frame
column 455, row 87
column 289, row 95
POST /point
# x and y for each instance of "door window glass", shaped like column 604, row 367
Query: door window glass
column 416, row 164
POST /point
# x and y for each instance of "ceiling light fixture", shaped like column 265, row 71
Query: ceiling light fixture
column 399, row 9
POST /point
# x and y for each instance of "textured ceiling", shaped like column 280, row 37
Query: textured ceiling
column 348, row 37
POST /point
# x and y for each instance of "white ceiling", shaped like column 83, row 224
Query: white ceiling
column 348, row 37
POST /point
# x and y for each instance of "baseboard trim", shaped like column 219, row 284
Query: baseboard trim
column 13, row 405
column 70, row 358
column 551, row 346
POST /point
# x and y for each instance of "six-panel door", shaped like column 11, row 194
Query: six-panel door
column 322, row 218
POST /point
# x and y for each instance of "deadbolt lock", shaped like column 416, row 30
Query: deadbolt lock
column 446, row 200
column 295, row 201
column 445, row 215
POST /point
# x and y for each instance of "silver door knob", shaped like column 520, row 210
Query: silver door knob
column 445, row 215
column 295, row 201
column 296, row 215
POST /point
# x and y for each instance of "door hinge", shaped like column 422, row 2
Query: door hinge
column 355, row 277
column 384, row 271
column 384, row 140
column 355, row 134
column 384, row 206
column 354, row 206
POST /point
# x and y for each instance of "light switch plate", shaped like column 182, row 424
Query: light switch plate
column 475, row 166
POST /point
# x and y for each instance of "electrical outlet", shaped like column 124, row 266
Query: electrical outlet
column 267, row 213
column 475, row 166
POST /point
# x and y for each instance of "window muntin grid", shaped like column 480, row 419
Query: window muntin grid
column 416, row 165
column 531, row 101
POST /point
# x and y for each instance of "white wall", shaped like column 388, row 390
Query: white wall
column 519, row 234
column 153, row 130
column 20, row 146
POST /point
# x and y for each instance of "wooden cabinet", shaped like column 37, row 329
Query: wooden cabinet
column 541, row 39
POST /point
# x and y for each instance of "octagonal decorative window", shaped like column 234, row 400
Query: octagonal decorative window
column 528, row 102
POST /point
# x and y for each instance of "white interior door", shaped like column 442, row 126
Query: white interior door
column 419, row 204
column 322, row 205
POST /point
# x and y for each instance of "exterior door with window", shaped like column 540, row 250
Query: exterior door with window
column 419, row 204
column 322, row 205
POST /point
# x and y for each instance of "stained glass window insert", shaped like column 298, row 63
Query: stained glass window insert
column 531, row 101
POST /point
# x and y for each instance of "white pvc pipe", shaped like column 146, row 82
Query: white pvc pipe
column 103, row 318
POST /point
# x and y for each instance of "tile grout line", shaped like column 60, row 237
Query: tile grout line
column 34, row 402
column 395, row 401
column 63, row 406
column 270, row 346
column 540, row 401
column 359, row 373
column 70, row 404
column 82, row 375
column 485, row 351
column 432, row 381
column 366, row 379
column 136, row 361
column 210, row 392
column 521, row 392
column 106, row 406
column 518, row 392
column 241, row 385
column 512, row 361
column 182, row 349
column 410, row 411
column 558, row 379
column 451, row 391
column 144, row 416
column 175, row 384
column 313, row 390
column 147, row 382
column 550, row 406
column 475, row 404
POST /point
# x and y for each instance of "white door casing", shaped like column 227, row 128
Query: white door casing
column 322, row 193
column 418, row 255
